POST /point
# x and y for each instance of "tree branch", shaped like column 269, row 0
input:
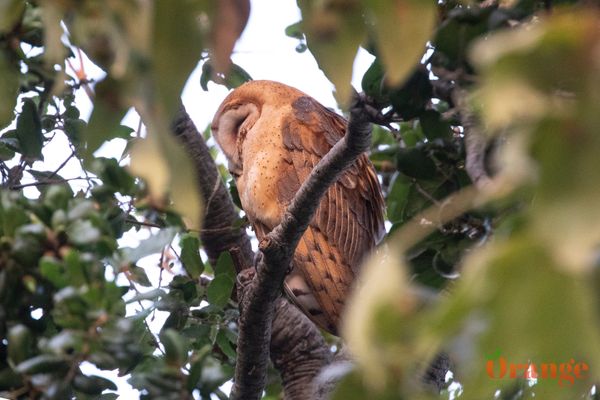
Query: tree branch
column 298, row 350
column 475, row 141
column 257, row 306
column 218, row 233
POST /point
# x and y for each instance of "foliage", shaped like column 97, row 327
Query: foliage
column 525, row 246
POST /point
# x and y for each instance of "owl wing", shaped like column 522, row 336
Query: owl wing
column 348, row 222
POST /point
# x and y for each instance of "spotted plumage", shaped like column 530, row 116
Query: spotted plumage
column 273, row 136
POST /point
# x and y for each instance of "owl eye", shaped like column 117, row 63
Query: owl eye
column 235, row 174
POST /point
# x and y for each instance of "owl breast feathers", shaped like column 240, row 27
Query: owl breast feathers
column 273, row 136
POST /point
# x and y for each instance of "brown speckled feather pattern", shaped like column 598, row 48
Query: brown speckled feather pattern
column 273, row 136
column 349, row 220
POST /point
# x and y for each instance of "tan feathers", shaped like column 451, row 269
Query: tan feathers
column 273, row 135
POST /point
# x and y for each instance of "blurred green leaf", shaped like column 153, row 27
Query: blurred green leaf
column 373, row 82
column 219, row 290
column 42, row 364
column 497, row 302
column 225, row 345
column 334, row 30
column 53, row 270
column 409, row 99
column 83, row 232
column 92, row 384
column 176, row 347
column 190, row 256
column 403, row 28
column 11, row 12
column 29, row 131
column 20, row 343
column 397, row 198
column 9, row 86
column 174, row 59
column 138, row 275
column 154, row 244
column 294, row 30
column 109, row 110
column 416, row 163
column 454, row 35
column 433, row 125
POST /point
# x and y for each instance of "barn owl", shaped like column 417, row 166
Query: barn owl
column 273, row 136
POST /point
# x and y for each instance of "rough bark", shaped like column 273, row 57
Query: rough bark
column 218, row 233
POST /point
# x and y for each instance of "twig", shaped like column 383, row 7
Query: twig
column 49, row 182
column 61, row 166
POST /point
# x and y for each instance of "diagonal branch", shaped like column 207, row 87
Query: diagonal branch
column 257, row 307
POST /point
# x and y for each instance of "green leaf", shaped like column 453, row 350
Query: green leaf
column 81, row 209
column 373, row 82
column 20, row 343
column 176, row 347
column 514, row 301
column 29, row 131
column 109, row 110
column 113, row 175
column 42, row 364
column 53, row 270
column 154, row 244
column 174, row 59
column 416, row 163
column 83, row 232
column 295, row 30
column 236, row 77
column 397, row 198
column 152, row 295
column 402, row 27
column 225, row 266
column 225, row 345
column 190, row 255
column 138, row 275
column 92, row 384
column 11, row 217
column 334, row 30
column 433, row 125
column 454, row 36
column 9, row 87
column 7, row 148
column 219, row 290
column 11, row 12
column 410, row 99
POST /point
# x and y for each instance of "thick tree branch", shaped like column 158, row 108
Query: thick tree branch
column 218, row 233
column 298, row 350
column 257, row 307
